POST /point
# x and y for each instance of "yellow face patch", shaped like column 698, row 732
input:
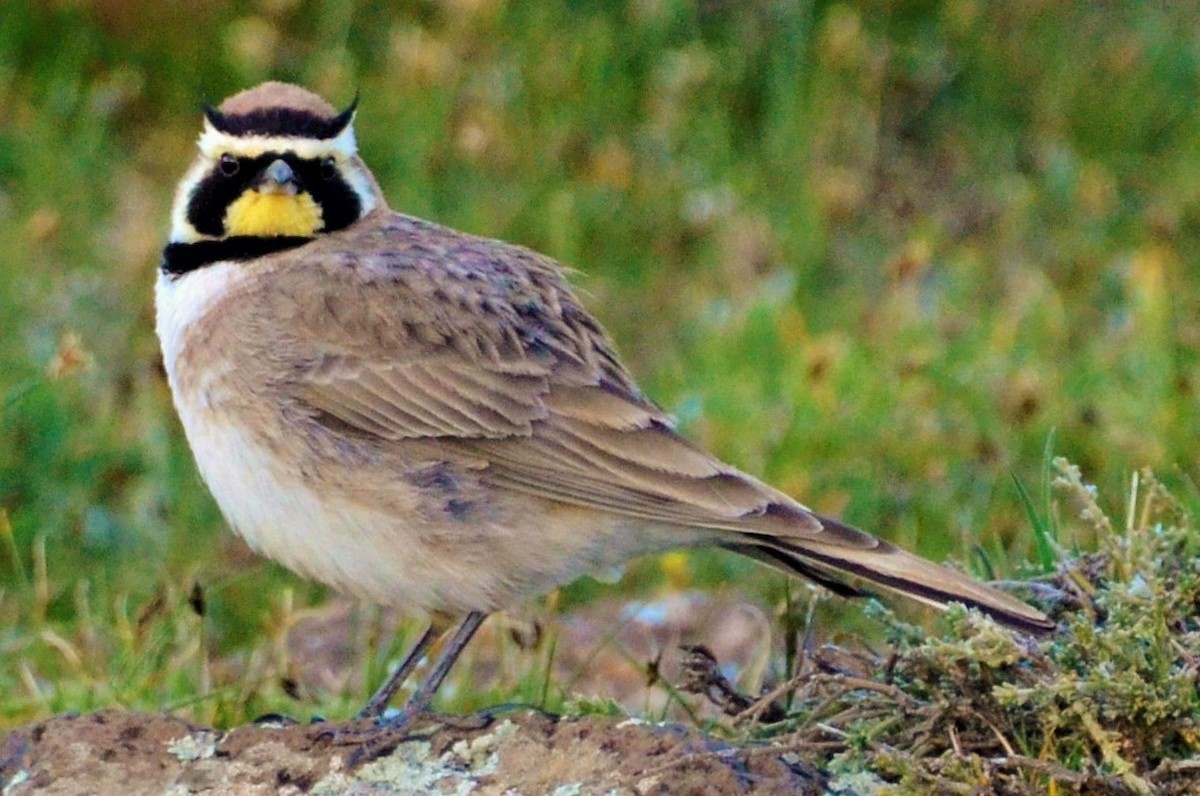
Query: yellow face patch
column 270, row 215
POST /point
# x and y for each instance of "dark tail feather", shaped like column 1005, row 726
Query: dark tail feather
column 888, row 566
column 792, row 565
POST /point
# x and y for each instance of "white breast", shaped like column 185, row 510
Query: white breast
column 180, row 300
column 348, row 546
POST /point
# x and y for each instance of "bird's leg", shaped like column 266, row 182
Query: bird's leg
column 391, row 731
column 379, row 701
column 373, row 743
column 418, row 703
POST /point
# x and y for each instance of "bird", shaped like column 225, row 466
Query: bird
column 431, row 420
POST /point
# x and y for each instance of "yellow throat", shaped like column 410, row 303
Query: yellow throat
column 269, row 215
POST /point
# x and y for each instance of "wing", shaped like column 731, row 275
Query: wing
column 479, row 349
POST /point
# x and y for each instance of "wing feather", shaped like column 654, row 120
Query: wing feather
column 425, row 335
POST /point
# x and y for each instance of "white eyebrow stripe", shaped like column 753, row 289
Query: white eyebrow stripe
column 213, row 143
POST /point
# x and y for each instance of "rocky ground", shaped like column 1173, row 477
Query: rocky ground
column 117, row 752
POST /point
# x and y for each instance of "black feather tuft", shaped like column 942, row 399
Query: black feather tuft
column 289, row 122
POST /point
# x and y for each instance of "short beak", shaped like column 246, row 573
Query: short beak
column 278, row 178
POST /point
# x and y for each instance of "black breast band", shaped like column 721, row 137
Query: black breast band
column 180, row 258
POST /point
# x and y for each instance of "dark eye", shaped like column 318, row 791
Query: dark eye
column 228, row 165
column 328, row 168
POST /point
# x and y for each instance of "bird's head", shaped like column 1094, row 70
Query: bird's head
column 277, row 165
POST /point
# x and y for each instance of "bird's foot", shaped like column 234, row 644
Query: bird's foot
column 380, row 736
column 377, row 736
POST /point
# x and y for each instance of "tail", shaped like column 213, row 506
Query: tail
column 886, row 565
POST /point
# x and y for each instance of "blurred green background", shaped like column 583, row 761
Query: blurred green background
column 878, row 254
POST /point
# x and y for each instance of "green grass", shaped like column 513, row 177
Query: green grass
column 878, row 256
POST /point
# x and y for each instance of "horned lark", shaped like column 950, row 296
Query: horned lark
column 431, row 420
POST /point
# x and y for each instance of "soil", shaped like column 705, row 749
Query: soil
column 604, row 652
column 118, row 752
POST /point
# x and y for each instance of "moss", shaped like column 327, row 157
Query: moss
column 1108, row 704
